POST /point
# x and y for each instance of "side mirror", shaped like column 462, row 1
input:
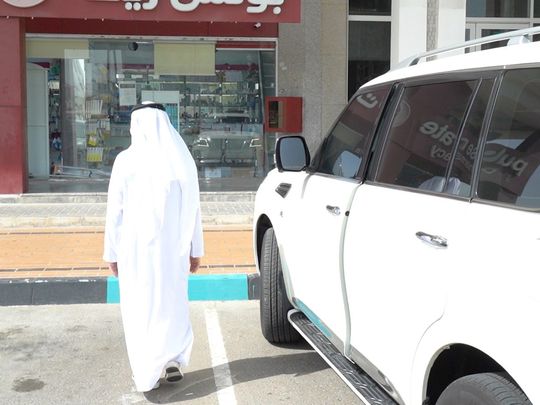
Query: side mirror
column 292, row 154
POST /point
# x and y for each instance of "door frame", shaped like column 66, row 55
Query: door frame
column 477, row 27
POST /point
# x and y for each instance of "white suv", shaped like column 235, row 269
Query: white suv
column 406, row 250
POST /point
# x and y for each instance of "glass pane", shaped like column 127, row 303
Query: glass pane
column 459, row 181
column 423, row 135
column 494, row 31
column 369, row 52
column 498, row 8
column 343, row 151
column 219, row 115
column 370, row 7
column 536, row 8
column 510, row 171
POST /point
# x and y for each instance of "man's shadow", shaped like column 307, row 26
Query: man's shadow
column 200, row 383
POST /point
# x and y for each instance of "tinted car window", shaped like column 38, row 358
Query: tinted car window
column 509, row 170
column 423, row 135
column 346, row 147
column 466, row 148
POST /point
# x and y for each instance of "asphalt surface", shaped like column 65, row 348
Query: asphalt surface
column 75, row 354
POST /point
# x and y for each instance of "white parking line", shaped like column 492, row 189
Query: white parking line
column 220, row 363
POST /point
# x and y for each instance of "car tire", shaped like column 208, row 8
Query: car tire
column 274, row 304
column 483, row 389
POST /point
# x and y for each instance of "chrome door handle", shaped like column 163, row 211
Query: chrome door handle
column 333, row 209
column 432, row 240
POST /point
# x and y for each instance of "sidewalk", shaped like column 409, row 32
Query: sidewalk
column 88, row 209
column 51, row 248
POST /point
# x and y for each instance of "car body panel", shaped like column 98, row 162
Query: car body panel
column 317, row 258
column 389, row 299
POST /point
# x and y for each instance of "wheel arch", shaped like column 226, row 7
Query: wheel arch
column 453, row 362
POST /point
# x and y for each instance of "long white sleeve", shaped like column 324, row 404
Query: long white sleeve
column 114, row 215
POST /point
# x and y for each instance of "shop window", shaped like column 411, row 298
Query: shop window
column 370, row 7
column 498, row 8
column 536, row 8
column 369, row 52
column 215, row 103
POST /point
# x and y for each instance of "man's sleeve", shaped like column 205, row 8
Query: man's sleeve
column 197, row 242
column 113, row 220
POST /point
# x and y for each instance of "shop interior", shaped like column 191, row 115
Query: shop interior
column 214, row 98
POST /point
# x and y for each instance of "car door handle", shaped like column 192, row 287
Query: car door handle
column 333, row 209
column 432, row 240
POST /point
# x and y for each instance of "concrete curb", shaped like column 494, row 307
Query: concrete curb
column 67, row 221
column 62, row 291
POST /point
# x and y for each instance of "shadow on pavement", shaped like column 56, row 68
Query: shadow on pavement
column 198, row 384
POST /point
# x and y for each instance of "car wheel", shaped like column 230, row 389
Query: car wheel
column 483, row 389
column 274, row 304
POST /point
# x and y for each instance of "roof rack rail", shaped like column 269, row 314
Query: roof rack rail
column 514, row 37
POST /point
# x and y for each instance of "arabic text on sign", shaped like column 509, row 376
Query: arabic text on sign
column 258, row 6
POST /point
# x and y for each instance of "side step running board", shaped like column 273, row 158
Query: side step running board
column 361, row 384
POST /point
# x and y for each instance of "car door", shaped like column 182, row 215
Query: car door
column 506, row 235
column 400, row 239
column 315, row 218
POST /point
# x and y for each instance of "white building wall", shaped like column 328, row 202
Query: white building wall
column 409, row 29
column 451, row 22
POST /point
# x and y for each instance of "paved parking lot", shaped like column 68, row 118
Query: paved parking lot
column 75, row 354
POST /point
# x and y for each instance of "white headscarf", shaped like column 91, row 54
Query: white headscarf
column 163, row 152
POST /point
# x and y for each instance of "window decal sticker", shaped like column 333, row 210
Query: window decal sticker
column 24, row 3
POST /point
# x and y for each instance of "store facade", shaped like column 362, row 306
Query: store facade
column 72, row 71
column 213, row 63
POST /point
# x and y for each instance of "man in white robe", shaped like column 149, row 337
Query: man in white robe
column 153, row 240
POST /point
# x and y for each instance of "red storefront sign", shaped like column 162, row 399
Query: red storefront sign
column 269, row 11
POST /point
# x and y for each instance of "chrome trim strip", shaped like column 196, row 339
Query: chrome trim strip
column 376, row 374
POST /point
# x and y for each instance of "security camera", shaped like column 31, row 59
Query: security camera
column 133, row 46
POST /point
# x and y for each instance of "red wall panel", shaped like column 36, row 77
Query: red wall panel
column 149, row 28
column 288, row 12
column 13, row 165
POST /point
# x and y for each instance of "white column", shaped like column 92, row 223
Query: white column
column 451, row 22
column 409, row 29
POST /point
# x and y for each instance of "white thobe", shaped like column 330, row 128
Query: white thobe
column 143, row 234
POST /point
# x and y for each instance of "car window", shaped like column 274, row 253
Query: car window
column 509, row 171
column 347, row 145
column 459, row 181
column 423, row 134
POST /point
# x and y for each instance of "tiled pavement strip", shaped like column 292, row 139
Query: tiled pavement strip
column 66, row 239
column 93, row 214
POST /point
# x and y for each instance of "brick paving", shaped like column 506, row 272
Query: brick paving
column 76, row 252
